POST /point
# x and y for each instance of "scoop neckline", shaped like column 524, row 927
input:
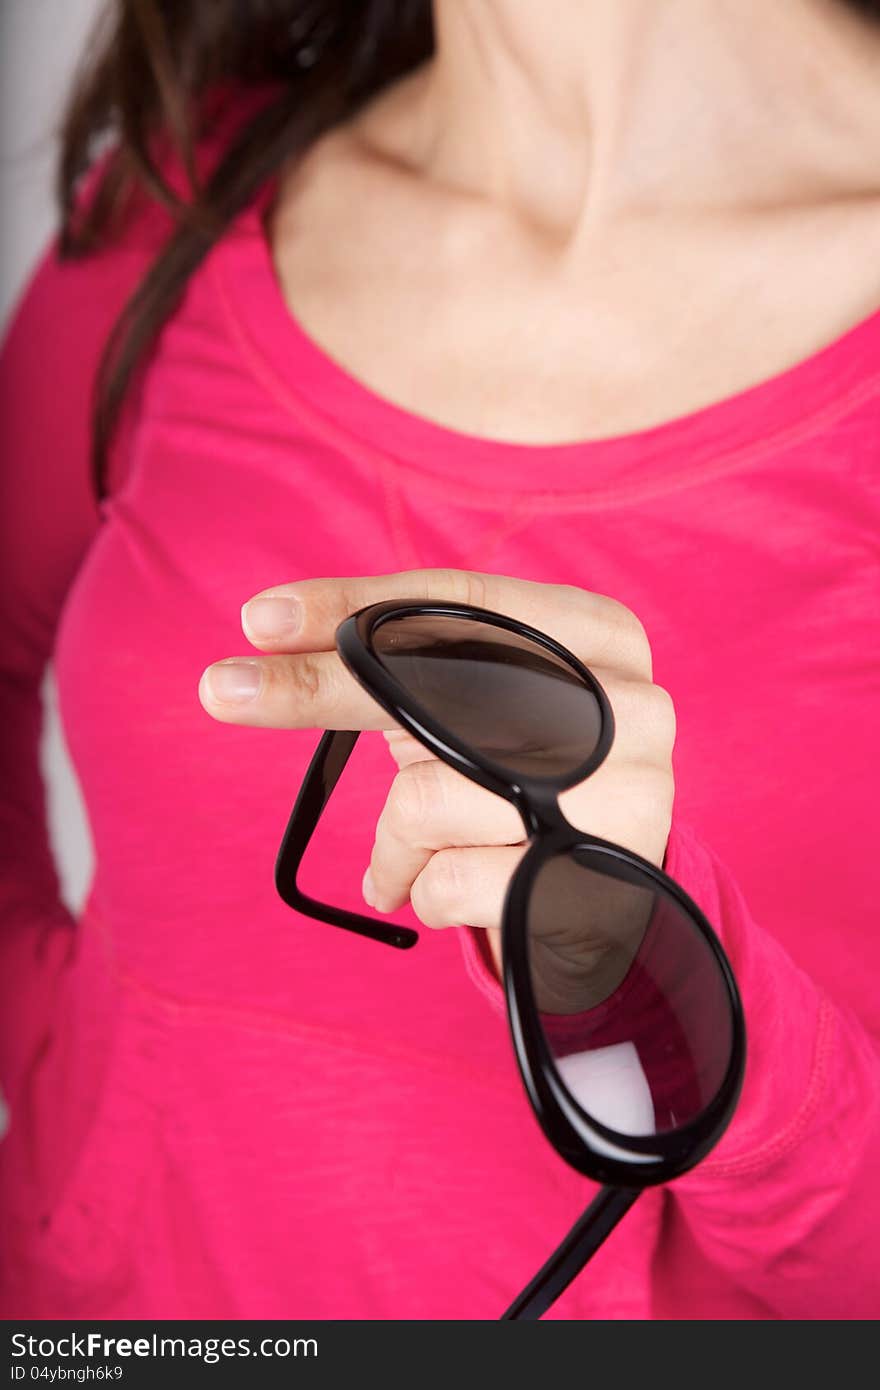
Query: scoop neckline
column 770, row 414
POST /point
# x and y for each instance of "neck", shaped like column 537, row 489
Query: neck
column 574, row 111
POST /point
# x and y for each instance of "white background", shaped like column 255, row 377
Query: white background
column 41, row 42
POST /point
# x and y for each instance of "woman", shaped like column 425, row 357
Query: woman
column 569, row 311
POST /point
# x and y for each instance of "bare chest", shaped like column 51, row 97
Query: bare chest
column 457, row 321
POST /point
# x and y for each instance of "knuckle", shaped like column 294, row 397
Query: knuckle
column 572, row 596
column 307, row 676
column 573, row 608
column 413, row 800
column 664, row 711
column 461, row 586
column 660, row 721
column 315, row 682
column 644, row 716
column 437, row 890
column 633, row 629
column 630, row 696
column 627, row 632
column 476, row 589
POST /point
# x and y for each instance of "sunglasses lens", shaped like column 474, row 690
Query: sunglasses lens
column 631, row 999
column 512, row 699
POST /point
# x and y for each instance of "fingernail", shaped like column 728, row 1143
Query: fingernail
column 234, row 682
column 272, row 617
column 368, row 889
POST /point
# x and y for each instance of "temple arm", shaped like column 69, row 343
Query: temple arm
column 569, row 1258
column 324, row 771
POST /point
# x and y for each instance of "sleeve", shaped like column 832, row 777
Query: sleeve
column 787, row 1205
column 48, row 518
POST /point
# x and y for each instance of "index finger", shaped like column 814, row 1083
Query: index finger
column 596, row 628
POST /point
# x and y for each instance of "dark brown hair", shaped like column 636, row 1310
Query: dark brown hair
column 169, row 71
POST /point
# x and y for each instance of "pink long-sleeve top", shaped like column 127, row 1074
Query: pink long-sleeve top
column 223, row 1109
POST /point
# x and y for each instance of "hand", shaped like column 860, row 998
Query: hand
column 443, row 843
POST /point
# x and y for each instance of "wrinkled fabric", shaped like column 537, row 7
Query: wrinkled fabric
column 222, row 1109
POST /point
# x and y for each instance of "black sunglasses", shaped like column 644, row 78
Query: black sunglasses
column 624, row 1012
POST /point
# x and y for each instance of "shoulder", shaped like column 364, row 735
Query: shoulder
column 76, row 293
column 142, row 196
column 64, row 317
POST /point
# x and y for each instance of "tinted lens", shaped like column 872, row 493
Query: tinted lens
column 630, row 996
column 509, row 697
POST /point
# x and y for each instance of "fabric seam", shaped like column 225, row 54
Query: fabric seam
column 286, row 395
column 792, row 1134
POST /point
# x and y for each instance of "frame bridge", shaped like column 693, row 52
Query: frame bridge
column 539, row 807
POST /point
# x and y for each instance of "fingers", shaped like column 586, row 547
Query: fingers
column 451, row 882
column 431, row 807
column 629, row 804
column 304, row 615
column 312, row 690
column 465, row 886
column 323, row 603
column 433, row 816
column 404, row 748
column 644, row 723
column 301, row 683
column 309, row 690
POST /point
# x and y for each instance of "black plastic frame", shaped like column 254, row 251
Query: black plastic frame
column 579, row 1139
